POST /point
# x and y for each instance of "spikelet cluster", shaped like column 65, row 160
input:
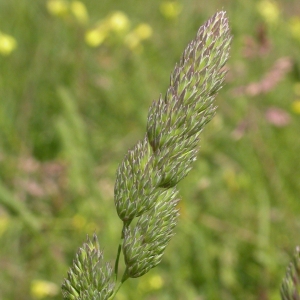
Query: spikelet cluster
column 89, row 278
column 290, row 288
column 145, row 192
column 144, row 244
column 147, row 178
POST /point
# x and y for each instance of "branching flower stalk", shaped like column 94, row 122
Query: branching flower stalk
column 145, row 192
column 290, row 288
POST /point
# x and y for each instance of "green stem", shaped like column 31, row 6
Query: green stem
column 117, row 259
column 124, row 278
column 119, row 251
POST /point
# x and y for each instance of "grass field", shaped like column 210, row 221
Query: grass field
column 76, row 81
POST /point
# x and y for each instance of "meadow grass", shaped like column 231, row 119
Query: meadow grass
column 69, row 112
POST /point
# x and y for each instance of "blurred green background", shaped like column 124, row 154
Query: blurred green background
column 76, row 81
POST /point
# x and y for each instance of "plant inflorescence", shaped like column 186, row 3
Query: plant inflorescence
column 290, row 288
column 145, row 189
column 145, row 192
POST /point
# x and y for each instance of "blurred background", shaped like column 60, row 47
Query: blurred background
column 76, row 81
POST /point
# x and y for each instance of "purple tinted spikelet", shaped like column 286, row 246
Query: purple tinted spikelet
column 176, row 121
column 135, row 188
column 89, row 277
column 145, row 192
column 144, row 245
column 146, row 180
column 290, row 288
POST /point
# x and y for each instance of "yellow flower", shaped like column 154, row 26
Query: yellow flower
column 147, row 284
column 143, row 31
column 170, row 9
column 132, row 41
column 269, row 11
column 41, row 289
column 118, row 21
column 156, row 282
column 78, row 222
column 294, row 27
column 296, row 107
column 95, row 37
column 79, row 11
column 58, row 7
column 4, row 222
column 7, row 44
